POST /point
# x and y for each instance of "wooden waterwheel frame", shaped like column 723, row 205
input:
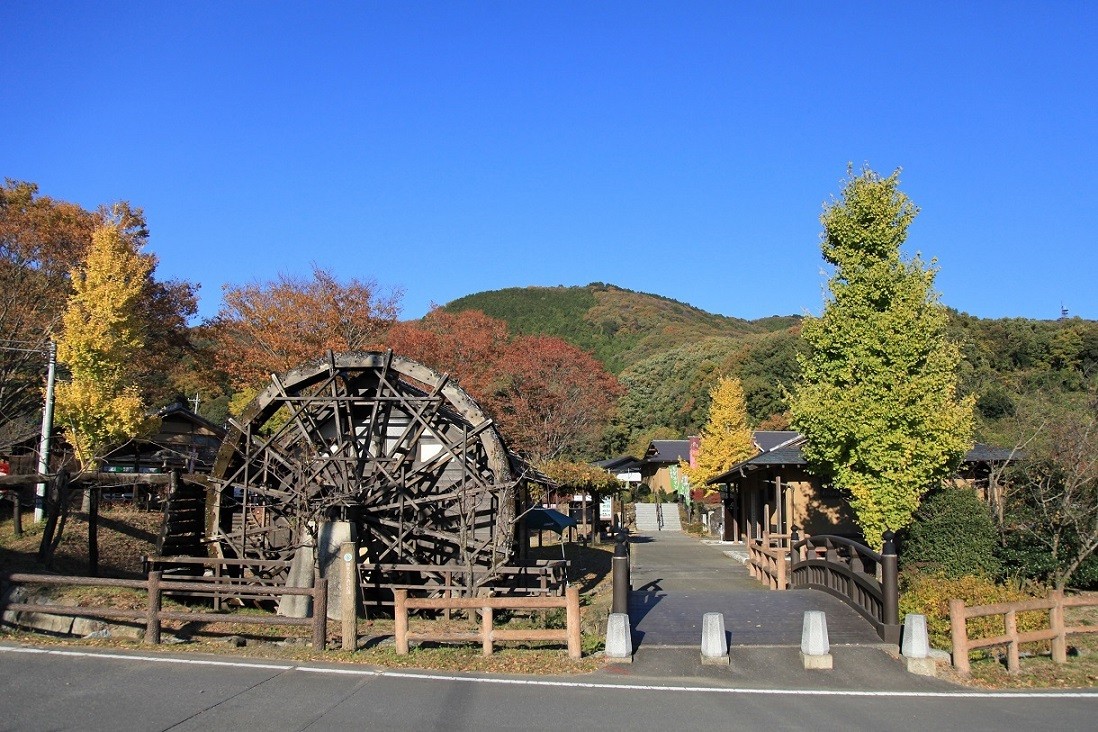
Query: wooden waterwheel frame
column 379, row 440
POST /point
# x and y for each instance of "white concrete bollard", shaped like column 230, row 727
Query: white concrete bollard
column 916, row 646
column 714, row 648
column 815, row 649
column 619, row 640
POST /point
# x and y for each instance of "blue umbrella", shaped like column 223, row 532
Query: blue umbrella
column 548, row 518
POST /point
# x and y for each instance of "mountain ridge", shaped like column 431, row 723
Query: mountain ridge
column 619, row 326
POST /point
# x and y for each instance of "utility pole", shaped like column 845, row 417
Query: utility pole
column 44, row 439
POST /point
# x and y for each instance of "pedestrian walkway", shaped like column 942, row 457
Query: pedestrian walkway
column 677, row 579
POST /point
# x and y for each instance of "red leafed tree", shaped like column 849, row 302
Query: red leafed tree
column 555, row 399
column 466, row 345
column 271, row 327
column 550, row 398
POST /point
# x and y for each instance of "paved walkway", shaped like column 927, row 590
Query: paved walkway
column 677, row 579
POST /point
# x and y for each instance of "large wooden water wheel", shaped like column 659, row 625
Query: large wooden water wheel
column 378, row 440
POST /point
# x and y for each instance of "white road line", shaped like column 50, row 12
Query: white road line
column 154, row 659
column 427, row 676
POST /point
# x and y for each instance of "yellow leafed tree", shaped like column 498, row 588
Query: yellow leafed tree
column 103, row 333
column 726, row 438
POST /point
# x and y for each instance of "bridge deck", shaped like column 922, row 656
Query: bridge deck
column 677, row 579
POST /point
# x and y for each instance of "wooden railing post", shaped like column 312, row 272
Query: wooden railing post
column 1056, row 624
column 572, row 614
column 217, row 587
column 320, row 613
column 152, row 621
column 348, row 605
column 486, row 630
column 400, row 620
column 16, row 514
column 958, row 630
column 782, row 582
column 1014, row 662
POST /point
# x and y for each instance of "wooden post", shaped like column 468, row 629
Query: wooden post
column 781, row 582
column 1056, row 623
column 349, row 601
column 486, row 631
column 217, row 588
column 448, row 613
column 586, row 523
column 16, row 514
column 320, row 614
column 400, row 620
column 958, row 631
column 152, row 620
column 1014, row 663
column 572, row 613
column 93, row 531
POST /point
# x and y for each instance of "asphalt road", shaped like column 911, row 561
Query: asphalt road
column 82, row 689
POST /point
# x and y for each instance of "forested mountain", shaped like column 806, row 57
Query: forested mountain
column 620, row 327
column 668, row 355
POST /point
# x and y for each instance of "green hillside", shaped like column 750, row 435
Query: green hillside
column 619, row 326
column 668, row 355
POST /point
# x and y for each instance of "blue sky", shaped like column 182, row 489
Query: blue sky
column 678, row 148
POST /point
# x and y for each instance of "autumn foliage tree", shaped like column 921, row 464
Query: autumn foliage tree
column 554, row 399
column 41, row 240
column 551, row 399
column 103, row 334
column 726, row 438
column 466, row 345
column 270, row 327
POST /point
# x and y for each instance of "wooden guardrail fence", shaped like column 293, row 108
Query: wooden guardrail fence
column 154, row 615
column 220, row 584
column 768, row 564
column 488, row 635
column 1056, row 633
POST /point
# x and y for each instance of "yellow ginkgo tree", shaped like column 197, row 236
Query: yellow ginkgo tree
column 103, row 334
column 726, row 438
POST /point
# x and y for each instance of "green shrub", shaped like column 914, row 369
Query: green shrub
column 929, row 594
column 952, row 535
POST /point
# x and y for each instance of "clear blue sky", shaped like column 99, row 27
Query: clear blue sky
column 678, row 148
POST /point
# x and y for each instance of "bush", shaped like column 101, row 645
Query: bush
column 929, row 594
column 952, row 535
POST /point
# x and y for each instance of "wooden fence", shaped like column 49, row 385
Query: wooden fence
column 225, row 574
column 768, row 564
column 543, row 577
column 1056, row 633
column 156, row 588
column 488, row 635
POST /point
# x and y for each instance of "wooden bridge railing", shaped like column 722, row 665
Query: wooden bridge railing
column 860, row 577
column 1057, row 631
column 768, row 564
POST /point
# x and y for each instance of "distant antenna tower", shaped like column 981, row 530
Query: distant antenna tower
column 1063, row 312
